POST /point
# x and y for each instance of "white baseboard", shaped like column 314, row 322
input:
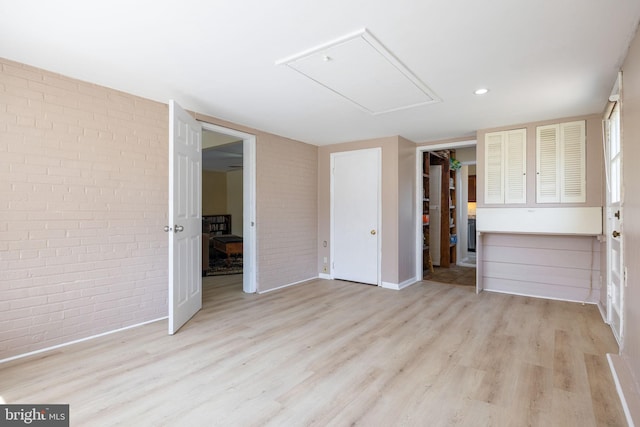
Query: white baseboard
column 325, row 276
column 399, row 286
column 532, row 295
column 603, row 312
column 628, row 390
column 31, row 353
column 287, row 285
column 467, row 264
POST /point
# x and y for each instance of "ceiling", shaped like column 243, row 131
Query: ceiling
column 540, row 60
column 221, row 153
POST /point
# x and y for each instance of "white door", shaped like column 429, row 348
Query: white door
column 435, row 212
column 185, row 217
column 615, row 264
column 355, row 215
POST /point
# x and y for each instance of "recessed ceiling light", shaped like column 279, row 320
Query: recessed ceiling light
column 481, row 91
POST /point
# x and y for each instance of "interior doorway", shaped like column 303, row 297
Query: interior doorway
column 467, row 223
column 230, row 158
column 446, row 213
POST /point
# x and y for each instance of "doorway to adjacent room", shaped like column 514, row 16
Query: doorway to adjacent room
column 446, row 203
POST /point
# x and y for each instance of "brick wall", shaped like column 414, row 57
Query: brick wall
column 287, row 206
column 83, row 199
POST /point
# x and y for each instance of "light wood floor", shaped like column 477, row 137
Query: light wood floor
column 340, row 354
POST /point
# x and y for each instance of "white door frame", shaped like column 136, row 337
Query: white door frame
column 418, row 214
column 379, row 213
column 462, row 220
column 614, row 222
column 463, row 216
column 249, row 255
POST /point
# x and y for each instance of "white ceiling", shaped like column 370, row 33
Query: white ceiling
column 540, row 59
column 221, row 153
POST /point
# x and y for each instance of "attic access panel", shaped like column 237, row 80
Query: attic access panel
column 358, row 68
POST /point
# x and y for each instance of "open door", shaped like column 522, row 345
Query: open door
column 185, row 217
column 614, row 226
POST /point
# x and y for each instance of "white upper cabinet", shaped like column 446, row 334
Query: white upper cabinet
column 547, row 164
column 561, row 163
column 505, row 167
column 494, row 168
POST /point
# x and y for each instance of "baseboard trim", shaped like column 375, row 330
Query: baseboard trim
column 603, row 312
column 325, row 276
column 467, row 264
column 287, row 285
column 399, row 286
column 628, row 390
column 522, row 294
column 54, row 347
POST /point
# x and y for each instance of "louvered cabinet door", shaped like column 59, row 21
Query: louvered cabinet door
column 560, row 163
column 505, row 167
column 573, row 162
column 515, row 166
column 494, row 168
column 547, row 164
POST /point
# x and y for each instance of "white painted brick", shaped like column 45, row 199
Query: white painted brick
column 113, row 147
column 15, row 334
column 76, row 142
column 10, row 81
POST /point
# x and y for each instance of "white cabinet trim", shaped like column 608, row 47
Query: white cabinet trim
column 575, row 220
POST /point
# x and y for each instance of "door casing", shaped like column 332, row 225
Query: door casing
column 249, row 255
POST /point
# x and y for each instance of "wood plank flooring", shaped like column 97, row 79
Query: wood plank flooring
column 331, row 353
column 455, row 275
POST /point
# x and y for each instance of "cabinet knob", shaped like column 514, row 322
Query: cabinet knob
column 373, row 232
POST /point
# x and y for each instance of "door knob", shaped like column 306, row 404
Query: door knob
column 167, row 228
column 616, row 233
column 373, row 232
column 178, row 228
